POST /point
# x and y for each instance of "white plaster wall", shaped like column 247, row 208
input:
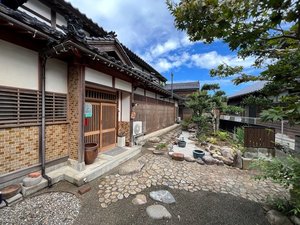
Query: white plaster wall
column 125, row 107
column 150, row 94
column 60, row 20
column 56, row 76
column 97, row 77
column 139, row 91
column 19, row 66
column 123, row 85
column 39, row 8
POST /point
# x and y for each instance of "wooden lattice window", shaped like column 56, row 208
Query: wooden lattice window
column 20, row 107
column 56, row 107
column 100, row 95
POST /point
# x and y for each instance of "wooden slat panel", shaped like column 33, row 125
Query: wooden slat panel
column 259, row 137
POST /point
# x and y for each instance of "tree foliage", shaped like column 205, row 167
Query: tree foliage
column 267, row 30
column 202, row 103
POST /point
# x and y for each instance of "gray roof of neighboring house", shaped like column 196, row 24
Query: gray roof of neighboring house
column 183, row 86
column 250, row 89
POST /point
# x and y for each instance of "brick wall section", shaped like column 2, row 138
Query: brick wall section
column 56, row 141
column 19, row 148
column 74, row 91
column 125, row 126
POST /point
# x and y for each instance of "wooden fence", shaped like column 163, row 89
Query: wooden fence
column 259, row 137
column 154, row 113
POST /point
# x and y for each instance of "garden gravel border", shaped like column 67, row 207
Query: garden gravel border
column 47, row 208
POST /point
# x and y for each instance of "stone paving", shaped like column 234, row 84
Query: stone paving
column 188, row 176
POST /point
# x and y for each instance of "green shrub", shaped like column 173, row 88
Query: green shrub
column 223, row 135
column 185, row 124
column 286, row 172
column 239, row 135
column 212, row 140
column 161, row 146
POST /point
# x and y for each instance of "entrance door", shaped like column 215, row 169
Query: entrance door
column 108, row 126
column 101, row 128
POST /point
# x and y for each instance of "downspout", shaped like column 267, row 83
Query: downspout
column 43, row 132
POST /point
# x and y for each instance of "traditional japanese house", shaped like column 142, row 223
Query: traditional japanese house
column 64, row 82
column 184, row 89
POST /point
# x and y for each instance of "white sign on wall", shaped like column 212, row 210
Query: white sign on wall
column 88, row 110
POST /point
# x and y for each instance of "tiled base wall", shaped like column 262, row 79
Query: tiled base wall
column 19, row 147
column 56, row 141
column 125, row 126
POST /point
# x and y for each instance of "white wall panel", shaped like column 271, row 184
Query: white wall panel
column 56, row 76
column 125, row 107
column 97, row 77
column 139, row 91
column 150, row 94
column 123, row 85
column 19, row 66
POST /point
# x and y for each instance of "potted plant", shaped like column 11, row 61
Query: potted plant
column 121, row 138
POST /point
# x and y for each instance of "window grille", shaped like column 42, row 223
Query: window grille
column 100, row 95
column 24, row 107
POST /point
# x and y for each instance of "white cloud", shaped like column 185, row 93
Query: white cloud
column 208, row 60
column 137, row 23
column 212, row 59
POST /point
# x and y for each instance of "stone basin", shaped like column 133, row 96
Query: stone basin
column 10, row 191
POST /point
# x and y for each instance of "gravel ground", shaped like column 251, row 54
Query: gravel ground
column 197, row 208
column 48, row 208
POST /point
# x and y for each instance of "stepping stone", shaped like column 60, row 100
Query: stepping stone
column 158, row 212
column 189, row 159
column 131, row 167
column 162, row 196
column 139, row 200
column 158, row 152
column 151, row 149
column 31, row 181
column 84, row 189
column 276, row 218
column 178, row 156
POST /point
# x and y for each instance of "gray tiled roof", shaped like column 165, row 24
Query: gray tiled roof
column 183, row 86
column 250, row 89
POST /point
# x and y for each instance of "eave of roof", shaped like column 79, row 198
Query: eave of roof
column 141, row 62
column 257, row 86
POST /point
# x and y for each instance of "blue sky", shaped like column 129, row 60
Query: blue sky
column 147, row 28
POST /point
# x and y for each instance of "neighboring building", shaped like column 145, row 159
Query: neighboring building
column 65, row 81
column 183, row 90
column 285, row 134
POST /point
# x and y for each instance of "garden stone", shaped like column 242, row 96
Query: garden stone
column 131, row 167
column 209, row 160
column 158, row 212
column 295, row 220
column 200, row 161
column 154, row 139
column 178, row 156
column 238, row 162
column 31, row 181
column 189, row 159
column 227, row 153
column 139, row 200
column 162, row 196
column 276, row 218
